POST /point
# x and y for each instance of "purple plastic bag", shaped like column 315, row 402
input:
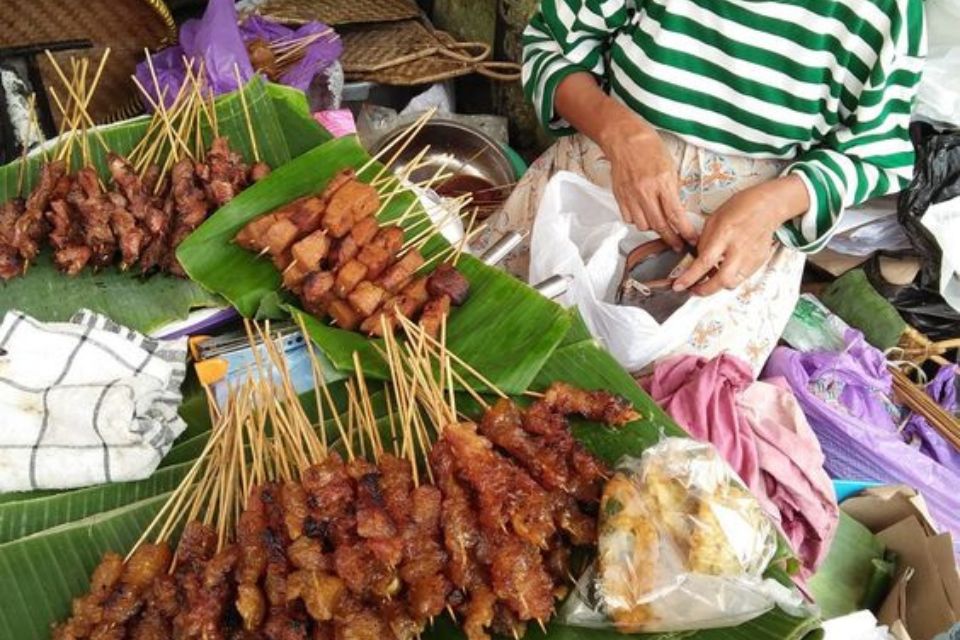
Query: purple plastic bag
column 318, row 56
column 168, row 67
column 215, row 38
column 845, row 398
column 942, row 390
column 218, row 41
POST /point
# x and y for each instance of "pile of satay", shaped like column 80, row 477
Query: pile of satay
column 137, row 221
column 160, row 193
column 339, row 260
column 356, row 551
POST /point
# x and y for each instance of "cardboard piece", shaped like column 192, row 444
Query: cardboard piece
column 879, row 508
column 925, row 598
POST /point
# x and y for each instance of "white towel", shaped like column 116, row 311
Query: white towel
column 84, row 402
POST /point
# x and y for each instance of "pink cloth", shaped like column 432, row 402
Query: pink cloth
column 339, row 122
column 760, row 430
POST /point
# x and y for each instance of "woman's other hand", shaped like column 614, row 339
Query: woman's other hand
column 738, row 238
column 645, row 179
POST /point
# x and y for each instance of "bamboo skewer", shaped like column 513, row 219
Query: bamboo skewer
column 453, row 250
column 415, row 329
column 404, row 139
column 83, row 104
column 160, row 107
column 246, row 114
column 918, row 400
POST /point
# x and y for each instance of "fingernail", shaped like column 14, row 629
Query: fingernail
column 678, row 287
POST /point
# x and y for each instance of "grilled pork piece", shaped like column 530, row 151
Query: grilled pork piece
column 447, row 281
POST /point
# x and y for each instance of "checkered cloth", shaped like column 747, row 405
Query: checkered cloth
column 84, row 402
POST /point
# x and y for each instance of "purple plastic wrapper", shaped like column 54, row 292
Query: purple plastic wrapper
column 215, row 39
column 942, row 390
column 845, row 398
column 218, row 41
column 168, row 67
column 317, row 57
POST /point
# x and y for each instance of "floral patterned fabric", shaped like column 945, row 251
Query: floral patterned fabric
column 751, row 323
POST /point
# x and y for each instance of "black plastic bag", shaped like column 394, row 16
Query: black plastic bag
column 936, row 179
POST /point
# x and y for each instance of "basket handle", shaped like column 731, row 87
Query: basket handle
column 503, row 71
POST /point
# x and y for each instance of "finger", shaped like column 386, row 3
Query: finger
column 630, row 210
column 677, row 214
column 730, row 275
column 709, row 257
column 638, row 216
column 651, row 208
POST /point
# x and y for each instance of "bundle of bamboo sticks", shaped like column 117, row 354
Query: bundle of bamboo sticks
column 915, row 398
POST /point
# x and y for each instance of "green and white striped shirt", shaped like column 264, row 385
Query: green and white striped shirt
column 827, row 83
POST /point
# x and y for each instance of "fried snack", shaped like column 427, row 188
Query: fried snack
column 628, row 553
column 677, row 527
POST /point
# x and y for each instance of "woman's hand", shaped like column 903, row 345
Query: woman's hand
column 644, row 175
column 739, row 237
column 645, row 180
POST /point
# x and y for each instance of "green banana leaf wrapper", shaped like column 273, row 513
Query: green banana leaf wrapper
column 51, row 541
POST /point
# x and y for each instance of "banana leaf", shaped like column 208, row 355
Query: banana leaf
column 854, row 563
column 28, row 516
column 143, row 304
column 505, row 330
column 775, row 625
column 284, row 129
column 40, row 574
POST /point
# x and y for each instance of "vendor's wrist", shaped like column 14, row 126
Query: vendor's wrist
column 621, row 126
column 786, row 198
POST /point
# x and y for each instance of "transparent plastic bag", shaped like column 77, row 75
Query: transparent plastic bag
column 683, row 545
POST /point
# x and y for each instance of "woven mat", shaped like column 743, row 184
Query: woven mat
column 338, row 12
column 125, row 26
column 411, row 52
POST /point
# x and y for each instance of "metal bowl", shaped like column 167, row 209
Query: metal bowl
column 456, row 149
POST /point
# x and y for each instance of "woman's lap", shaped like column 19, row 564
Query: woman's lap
column 750, row 324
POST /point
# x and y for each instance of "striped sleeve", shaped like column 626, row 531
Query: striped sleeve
column 870, row 153
column 565, row 37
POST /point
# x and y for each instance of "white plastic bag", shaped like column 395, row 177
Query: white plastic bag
column 683, row 545
column 579, row 232
column 938, row 95
column 943, row 221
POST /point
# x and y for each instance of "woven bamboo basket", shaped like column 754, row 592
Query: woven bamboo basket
column 337, row 12
column 125, row 26
column 411, row 52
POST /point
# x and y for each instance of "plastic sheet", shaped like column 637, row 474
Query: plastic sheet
column 938, row 95
column 215, row 39
column 682, row 545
